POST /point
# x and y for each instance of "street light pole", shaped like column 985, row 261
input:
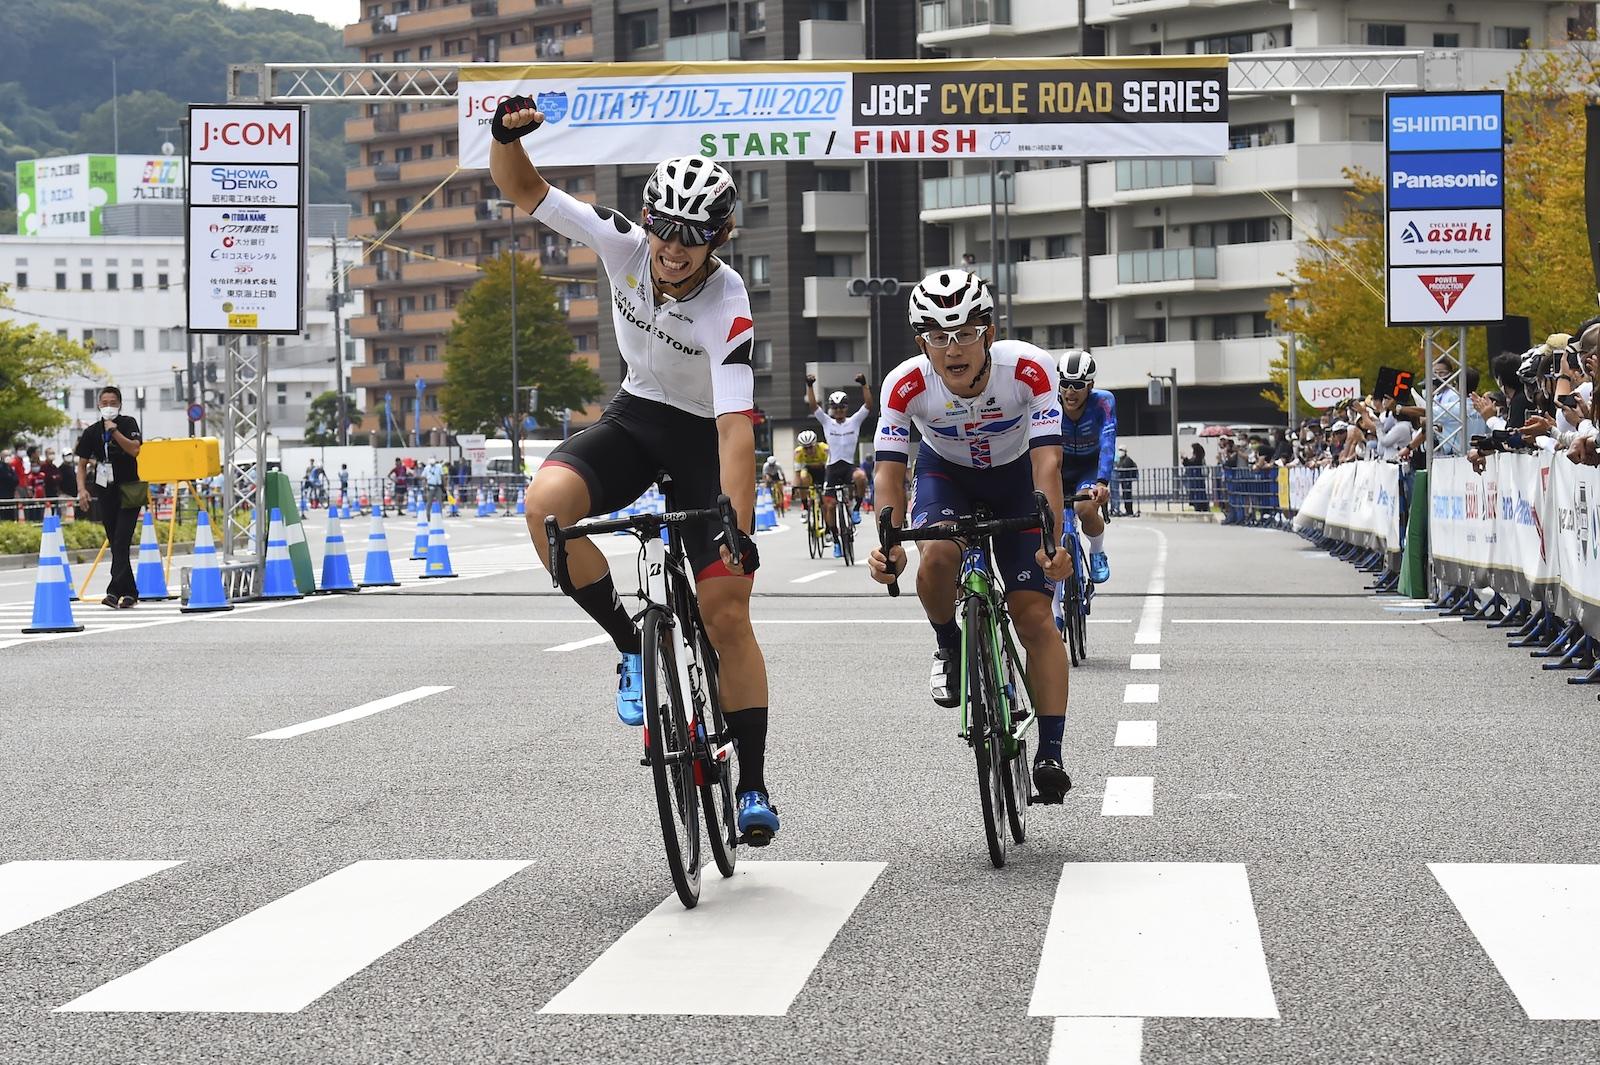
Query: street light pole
column 516, row 412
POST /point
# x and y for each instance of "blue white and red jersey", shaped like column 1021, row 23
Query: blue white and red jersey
column 1018, row 410
column 1090, row 441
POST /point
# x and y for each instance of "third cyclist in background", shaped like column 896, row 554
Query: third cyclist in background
column 842, row 430
column 1089, row 451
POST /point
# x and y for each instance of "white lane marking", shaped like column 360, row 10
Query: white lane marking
column 33, row 890
column 1153, row 939
column 1149, row 661
column 1149, row 631
column 1135, row 734
column 1129, row 797
column 746, row 950
column 1096, row 1041
column 1311, row 621
column 575, row 644
column 284, row 956
column 355, row 713
column 1141, row 693
column 1540, row 925
column 817, row 576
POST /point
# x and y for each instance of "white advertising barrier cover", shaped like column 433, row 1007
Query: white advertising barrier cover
column 1575, row 502
column 1313, row 509
column 1493, row 529
column 1302, row 480
column 1358, row 503
column 1102, row 108
column 1324, row 394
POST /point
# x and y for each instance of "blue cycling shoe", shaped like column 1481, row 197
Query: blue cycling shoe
column 630, row 689
column 838, row 549
column 1099, row 568
column 758, row 819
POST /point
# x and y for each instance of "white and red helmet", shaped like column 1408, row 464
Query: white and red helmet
column 948, row 299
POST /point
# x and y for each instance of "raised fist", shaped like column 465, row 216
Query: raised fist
column 515, row 118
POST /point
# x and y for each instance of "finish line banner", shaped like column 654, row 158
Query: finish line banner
column 1100, row 108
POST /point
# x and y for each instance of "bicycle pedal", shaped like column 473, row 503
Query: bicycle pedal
column 645, row 761
column 756, row 837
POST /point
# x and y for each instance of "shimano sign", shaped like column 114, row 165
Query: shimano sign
column 1444, row 206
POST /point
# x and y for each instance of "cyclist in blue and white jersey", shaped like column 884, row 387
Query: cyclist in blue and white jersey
column 990, row 425
column 1089, row 451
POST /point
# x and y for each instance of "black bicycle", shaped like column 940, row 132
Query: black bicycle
column 997, row 707
column 844, row 528
column 687, row 745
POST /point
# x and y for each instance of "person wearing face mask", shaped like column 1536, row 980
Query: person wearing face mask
column 110, row 448
column 686, row 333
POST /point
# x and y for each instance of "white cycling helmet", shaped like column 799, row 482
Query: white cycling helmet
column 838, row 399
column 948, row 299
column 806, row 439
column 696, row 193
column 1077, row 366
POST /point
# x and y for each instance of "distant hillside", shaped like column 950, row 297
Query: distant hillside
column 55, row 86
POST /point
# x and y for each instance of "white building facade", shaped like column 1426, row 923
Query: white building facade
column 1183, row 253
column 125, row 296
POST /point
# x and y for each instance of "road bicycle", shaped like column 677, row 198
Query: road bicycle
column 687, row 745
column 997, row 707
column 1077, row 591
column 844, row 522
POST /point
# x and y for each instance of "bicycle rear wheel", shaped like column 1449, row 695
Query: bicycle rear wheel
column 1072, row 606
column 847, row 533
column 716, row 784
column 671, row 757
column 983, row 711
column 1018, row 783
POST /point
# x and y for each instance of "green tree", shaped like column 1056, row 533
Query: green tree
column 138, row 121
column 322, row 419
column 477, row 381
column 1337, row 311
column 34, row 365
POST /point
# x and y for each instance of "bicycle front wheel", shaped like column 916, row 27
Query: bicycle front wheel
column 716, row 784
column 983, row 726
column 847, row 533
column 671, row 757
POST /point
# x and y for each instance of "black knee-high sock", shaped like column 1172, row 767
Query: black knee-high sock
column 749, row 731
column 599, row 600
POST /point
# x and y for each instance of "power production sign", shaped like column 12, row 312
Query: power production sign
column 1099, row 108
column 1444, row 208
column 246, row 219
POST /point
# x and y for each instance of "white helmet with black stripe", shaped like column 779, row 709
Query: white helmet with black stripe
column 1077, row 367
column 692, row 190
column 806, row 438
column 838, row 399
column 948, row 299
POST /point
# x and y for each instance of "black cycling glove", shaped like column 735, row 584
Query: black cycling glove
column 749, row 557
column 497, row 125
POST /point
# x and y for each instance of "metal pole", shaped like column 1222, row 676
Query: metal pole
column 1291, row 393
column 188, row 337
column 1007, row 176
column 994, row 234
column 343, row 434
column 872, row 261
column 516, row 409
column 1174, row 417
column 1083, row 201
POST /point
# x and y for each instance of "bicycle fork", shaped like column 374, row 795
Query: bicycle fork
column 655, row 557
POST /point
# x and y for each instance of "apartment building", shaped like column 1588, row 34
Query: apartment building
column 803, row 227
column 1183, row 253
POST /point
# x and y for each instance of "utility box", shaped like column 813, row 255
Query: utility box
column 168, row 461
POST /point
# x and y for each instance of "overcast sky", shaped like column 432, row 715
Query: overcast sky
column 334, row 12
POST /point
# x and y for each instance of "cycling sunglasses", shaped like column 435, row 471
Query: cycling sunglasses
column 1076, row 386
column 689, row 234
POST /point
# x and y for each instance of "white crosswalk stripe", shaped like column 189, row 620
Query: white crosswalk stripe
column 33, row 890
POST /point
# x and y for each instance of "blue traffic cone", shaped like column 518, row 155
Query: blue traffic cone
column 52, row 604
column 60, row 540
column 335, row 563
column 419, row 546
column 150, row 579
column 438, row 551
column 278, row 580
column 522, row 502
column 379, row 570
column 205, row 576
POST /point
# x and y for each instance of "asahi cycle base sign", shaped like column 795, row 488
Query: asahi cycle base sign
column 245, row 233
column 1444, row 208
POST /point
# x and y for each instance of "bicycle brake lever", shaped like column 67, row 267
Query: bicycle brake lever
column 886, row 540
column 1047, row 524
column 730, row 526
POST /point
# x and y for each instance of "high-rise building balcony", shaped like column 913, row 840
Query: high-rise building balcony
column 828, row 39
column 1213, row 362
column 702, row 47
column 832, row 212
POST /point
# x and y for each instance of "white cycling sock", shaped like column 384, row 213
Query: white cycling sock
column 1097, row 544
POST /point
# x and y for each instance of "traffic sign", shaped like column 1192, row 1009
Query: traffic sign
column 196, row 412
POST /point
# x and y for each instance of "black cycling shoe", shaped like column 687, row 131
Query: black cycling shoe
column 1050, row 781
column 944, row 683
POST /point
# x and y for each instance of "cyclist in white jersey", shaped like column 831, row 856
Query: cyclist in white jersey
column 842, row 431
column 990, row 424
column 685, row 331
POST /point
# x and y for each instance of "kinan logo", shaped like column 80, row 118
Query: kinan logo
column 247, row 134
column 1446, row 289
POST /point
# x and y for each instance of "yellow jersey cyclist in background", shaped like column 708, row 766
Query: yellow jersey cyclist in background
column 810, row 465
column 685, row 332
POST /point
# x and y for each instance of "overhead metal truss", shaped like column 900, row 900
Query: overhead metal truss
column 1258, row 74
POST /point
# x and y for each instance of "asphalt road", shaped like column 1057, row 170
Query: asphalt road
column 1286, row 794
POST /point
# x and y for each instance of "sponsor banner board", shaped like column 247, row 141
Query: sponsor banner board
column 1324, row 394
column 1444, row 198
column 1420, row 238
column 1104, row 108
column 245, row 238
column 62, row 196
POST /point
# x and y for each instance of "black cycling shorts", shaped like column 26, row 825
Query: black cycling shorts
column 841, row 474
column 619, row 457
